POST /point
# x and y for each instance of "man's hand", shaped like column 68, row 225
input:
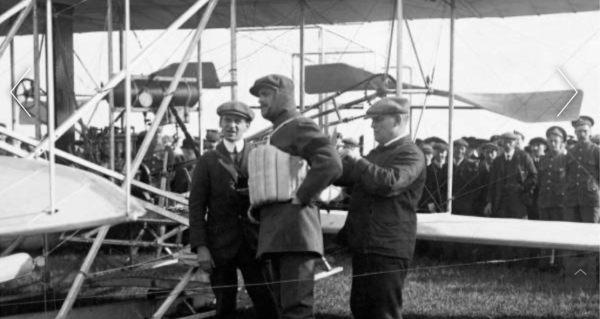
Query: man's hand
column 205, row 259
column 352, row 153
column 487, row 211
column 296, row 201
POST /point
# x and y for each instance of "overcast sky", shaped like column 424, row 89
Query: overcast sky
column 492, row 55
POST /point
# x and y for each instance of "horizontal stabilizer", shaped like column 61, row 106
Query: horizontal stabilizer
column 335, row 77
column 530, row 107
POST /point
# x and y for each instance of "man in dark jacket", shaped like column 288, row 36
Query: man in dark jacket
column 464, row 180
column 381, row 225
column 220, row 232
column 290, row 235
column 513, row 178
column 582, row 196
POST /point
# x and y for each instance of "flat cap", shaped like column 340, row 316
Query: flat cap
column 489, row 146
column 273, row 81
column 461, row 142
column 236, row 108
column 583, row 120
column 558, row 131
column 427, row 149
column 538, row 140
column 350, row 141
column 440, row 147
column 509, row 136
column 519, row 134
column 389, row 106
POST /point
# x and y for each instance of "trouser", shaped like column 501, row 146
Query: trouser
column 291, row 275
column 552, row 213
column 511, row 206
column 377, row 283
column 585, row 214
column 223, row 279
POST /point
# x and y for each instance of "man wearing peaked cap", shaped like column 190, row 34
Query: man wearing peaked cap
column 290, row 235
column 582, row 196
column 220, row 231
column 387, row 182
column 558, row 131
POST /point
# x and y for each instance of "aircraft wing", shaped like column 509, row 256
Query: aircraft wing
column 493, row 231
column 82, row 199
column 90, row 16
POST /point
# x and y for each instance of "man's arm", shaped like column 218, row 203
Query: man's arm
column 405, row 168
column 325, row 163
column 198, row 202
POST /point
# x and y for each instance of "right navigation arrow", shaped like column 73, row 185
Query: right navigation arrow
column 580, row 271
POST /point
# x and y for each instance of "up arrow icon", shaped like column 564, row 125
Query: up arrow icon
column 580, row 271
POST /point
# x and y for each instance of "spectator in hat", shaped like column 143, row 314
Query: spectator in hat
column 513, row 177
column 582, row 195
column 537, row 149
column 520, row 139
column 552, row 176
column 220, row 232
column 489, row 152
column 428, row 152
column 211, row 140
column 464, row 180
column 434, row 194
column 290, row 235
column 381, row 224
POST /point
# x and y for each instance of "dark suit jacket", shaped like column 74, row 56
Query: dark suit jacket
column 386, row 187
column 219, row 203
column 515, row 179
column 297, row 228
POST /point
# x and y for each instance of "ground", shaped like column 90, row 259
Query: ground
column 435, row 288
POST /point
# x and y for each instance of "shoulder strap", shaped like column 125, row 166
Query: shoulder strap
column 280, row 126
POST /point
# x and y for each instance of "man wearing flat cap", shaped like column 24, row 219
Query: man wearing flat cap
column 434, row 194
column 220, row 232
column 382, row 222
column 536, row 149
column 489, row 152
column 513, row 178
column 582, row 196
column 464, row 180
column 290, row 235
column 428, row 152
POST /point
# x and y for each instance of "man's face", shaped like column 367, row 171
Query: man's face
column 440, row 156
column 490, row 154
column 385, row 128
column 509, row 144
column 538, row 150
column 460, row 152
column 583, row 133
column 555, row 143
column 266, row 99
column 233, row 127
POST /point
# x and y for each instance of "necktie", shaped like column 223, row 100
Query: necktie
column 235, row 155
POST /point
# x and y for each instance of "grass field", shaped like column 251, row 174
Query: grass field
column 434, row 289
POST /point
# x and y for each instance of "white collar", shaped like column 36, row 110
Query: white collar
column 395, row 139
column 231, row 146
column 509, row 156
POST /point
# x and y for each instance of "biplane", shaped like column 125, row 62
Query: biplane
column 181, row 85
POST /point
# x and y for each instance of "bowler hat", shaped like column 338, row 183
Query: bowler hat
column 236, row 108
column 389, row 106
